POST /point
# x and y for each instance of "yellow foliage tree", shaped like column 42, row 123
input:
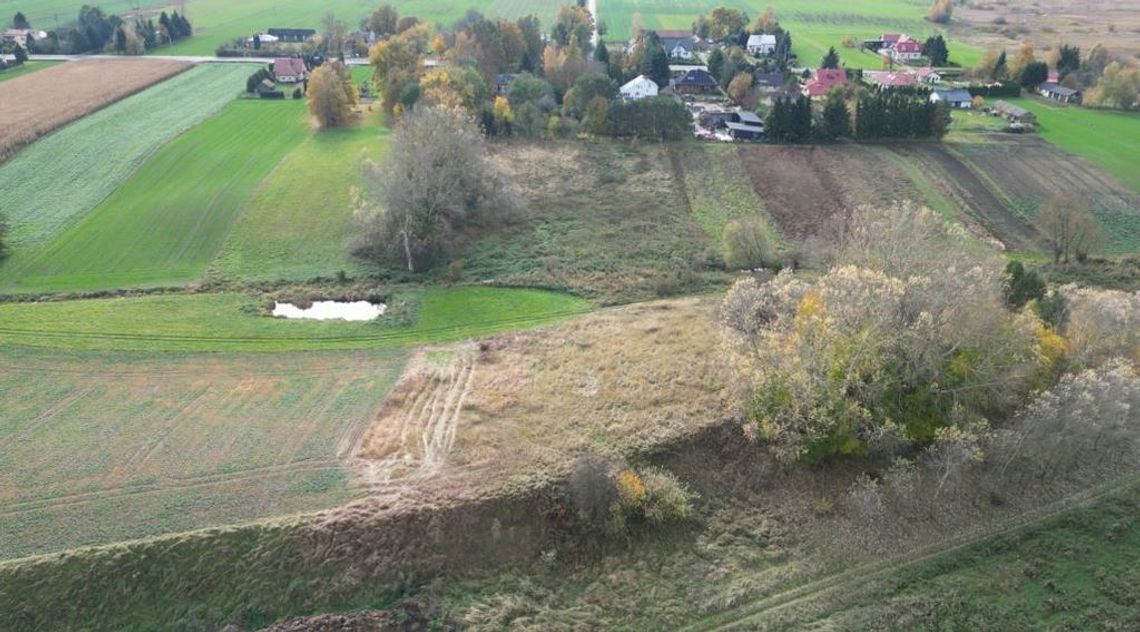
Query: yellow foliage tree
column 331, row 95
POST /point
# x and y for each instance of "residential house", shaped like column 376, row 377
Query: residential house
column 884, row 80
column 20, row 36
column 293, row 35
column 958, row 98
column 1057, row 92
column 899, row 47
column 740, row 124
column 770, row 86
column 928, row 75
column 676, row 70
column 761, row 44
column 696, row 81
column 679, row 44
column 1013, row 113
column 824, row 80
column 289, row 69
column 640, row 87
column 262, row 39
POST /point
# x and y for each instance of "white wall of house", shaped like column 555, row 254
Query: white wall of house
column 641, row 87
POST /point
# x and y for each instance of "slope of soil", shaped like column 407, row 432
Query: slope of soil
column 40, row 102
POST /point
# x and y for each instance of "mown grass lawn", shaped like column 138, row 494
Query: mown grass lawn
column 167, row 222
column 815, row 25
column 297, row 222
column 1106, row 138
column 25, row 68
column 61, row 177
column 231, row 321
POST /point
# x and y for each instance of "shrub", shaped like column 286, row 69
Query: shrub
column 652, row 497
column 746, row 244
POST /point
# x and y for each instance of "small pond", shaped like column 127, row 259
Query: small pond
column 331, row 310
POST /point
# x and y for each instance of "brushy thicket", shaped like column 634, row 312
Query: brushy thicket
column 907, row 334
column 618, row 501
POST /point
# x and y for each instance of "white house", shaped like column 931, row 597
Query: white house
column 640, row 87
column 761, row 44
column 957, row 99
column 682, row 51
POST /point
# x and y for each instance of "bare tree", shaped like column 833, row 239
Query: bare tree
column 1067, row 227
column 436, row 179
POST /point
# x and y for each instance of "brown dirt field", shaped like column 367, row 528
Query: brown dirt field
column 43, row 101
column 802, row 187
column 1050, row 23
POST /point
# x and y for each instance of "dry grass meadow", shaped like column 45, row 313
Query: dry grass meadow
column 1050, row 23
column 43, row 101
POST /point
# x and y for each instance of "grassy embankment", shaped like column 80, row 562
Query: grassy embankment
column 815, row 25
column 25, row 68
column 61, row 177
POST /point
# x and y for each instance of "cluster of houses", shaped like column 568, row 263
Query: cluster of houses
column 19, row 37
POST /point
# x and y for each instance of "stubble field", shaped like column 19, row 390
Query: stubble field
column 38, row 103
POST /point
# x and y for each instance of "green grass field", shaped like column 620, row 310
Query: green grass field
column 61, row 177
column 213, row 322
column 25, row 68
column 295, row 225
column 100, row 447
column 168, row 221
column 1106, row 138
column 815, row 25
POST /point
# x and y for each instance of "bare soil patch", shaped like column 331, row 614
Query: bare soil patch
column 43, row 101
column 1050, row 23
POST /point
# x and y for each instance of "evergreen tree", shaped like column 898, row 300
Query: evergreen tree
column 936, row 51
column 167, row 27
column 831, row 59
column 716, row 63
column 1034, row 74
column 1001, row 68
column 20, row 22
column 835, row 122
column 20, row 54
column 120, row 40
column 601, row 53
column 1069, row 60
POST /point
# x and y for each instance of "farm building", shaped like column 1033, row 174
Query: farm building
column 744, row 131
column 1058, row 92
column 958, row 99
column 1013, row 113
column 640, row 87
column 695, row 81
column 761, row 44
column 293, row 35
column 720, row 118
column 824, row 80
column 289, row 69
column 262, row 38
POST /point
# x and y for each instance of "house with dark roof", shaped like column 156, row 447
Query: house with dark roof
column 293, row 35
column 957, row 98
column 678, row 44
column 1058, row 92
column 289, row 70
column 695, row 81
column 1013, row 113
column 744, row 131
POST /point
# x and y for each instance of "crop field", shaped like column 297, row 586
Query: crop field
column 167, row 222
column 1107, row 139
column 815, row 25
column 38, row 103
column 61, row 177
column 297, row 222
column 230, row 321
column 25, row 68
column 100, row 448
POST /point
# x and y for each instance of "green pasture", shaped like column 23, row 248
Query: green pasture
column 175, row 441
column 1106, row 138
column 167, row 222
column 231, row 321
column 25, row 68
column 815, row 25
column 297, row 222
column 64, row 175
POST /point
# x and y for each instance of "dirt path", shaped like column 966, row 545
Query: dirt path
column 753, row 615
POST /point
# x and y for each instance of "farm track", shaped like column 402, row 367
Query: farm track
column 752, row 615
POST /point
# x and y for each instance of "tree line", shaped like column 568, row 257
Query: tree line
column 96, row 31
